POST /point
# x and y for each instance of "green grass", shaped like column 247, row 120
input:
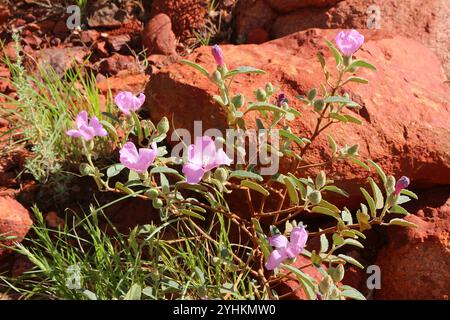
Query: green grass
column 45, row 108
column 141, row 265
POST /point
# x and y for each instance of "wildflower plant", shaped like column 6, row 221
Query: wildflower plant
column 195, row 194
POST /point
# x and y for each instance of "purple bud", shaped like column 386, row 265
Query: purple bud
column 218, row 55
column 401, row 184
column 281, row 98
column 319, row 296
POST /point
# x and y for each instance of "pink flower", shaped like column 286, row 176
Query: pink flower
column 203, row 157
column 218, row 55
column 401, row 184
column 286, row 249
column 126, row 101
column 349, row 41
column 137, row 161
column 87, row 129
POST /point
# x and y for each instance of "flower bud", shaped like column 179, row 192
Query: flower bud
column 315, row 197
column 261, row 95
column 319, row 105
column 218, row 55
column 221, row 174
column 163, row 125
column 152, row 193
column 86, row 169
column 269, row 89
column 157, row 203
column 401, row 184
column 340, row 272
column 349, row 41
column 326, row 284
column 311, row 94
column 238, row 100
column 217, row 77
column 321, row 179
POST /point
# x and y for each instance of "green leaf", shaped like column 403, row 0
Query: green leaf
column 332, row 143
column 110, row 128
column 337, row 55
column 337, row 240
column 219, row 100
column 361, row 64
column 90, row 295
column 353, row 242
column 292, row 191
column 134, row 293
column 379, row 170
column 290, row 136
column 327, row 212
column 255, row 186
column 305, row 280
column 347, row 216
column 352, row 119
column 370, row 202
column 358, row 80
column 358, row 162
column 192, row 214
column 124, row 189
column 264, row 106
column 338, row 116
column 242, row 174
column 336, row 190
column 377, row 194
column 243, row 70
column 350, row 260
column 165, row 170
column 363, row 221
column 401, row 222
column 321, row 59
column 262, row 238
column 343, row 100
column 114, row 170
column 352, row 293
column 409, row 194
column 329, row 205
column 398, row 209
column 196, row 66
column 323, row 243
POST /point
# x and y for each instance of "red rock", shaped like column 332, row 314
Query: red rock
column 5, row 14
column 33, row 41
column 415, row 263
column 15, row 222
column 61, row 59
column 52, row 220
column 60, row 30
column 286, row 6
column 283, row 17
column 118, row 62
column 105, row 15
column 88, row 37
column 257, row 36
column 119, row 42
column 100, row 49
column 404, row 138
column 290, row 288
column 10, row 51
column 251, row 15
column 158, row 37
column 47, row 25
column 186, row 15
column 122, row 82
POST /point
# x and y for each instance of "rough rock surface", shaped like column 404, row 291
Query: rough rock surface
column 186, row 15
column 287, row 6
column 415, row 263
column 158, row 37
column 15, row 222
column 425, row 20
column 405, row 113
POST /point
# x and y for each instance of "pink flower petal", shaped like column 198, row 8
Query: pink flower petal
column 82, row 119
column 194, row 173
column 128, row 154
column 73, row 133
column 275, row 259
column 97, row 126
column 278, row 241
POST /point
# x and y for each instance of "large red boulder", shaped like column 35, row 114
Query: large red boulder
column 158, row 37
column 415, row 263
column 423, row 20
column 15, row 222
column 405, row 114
